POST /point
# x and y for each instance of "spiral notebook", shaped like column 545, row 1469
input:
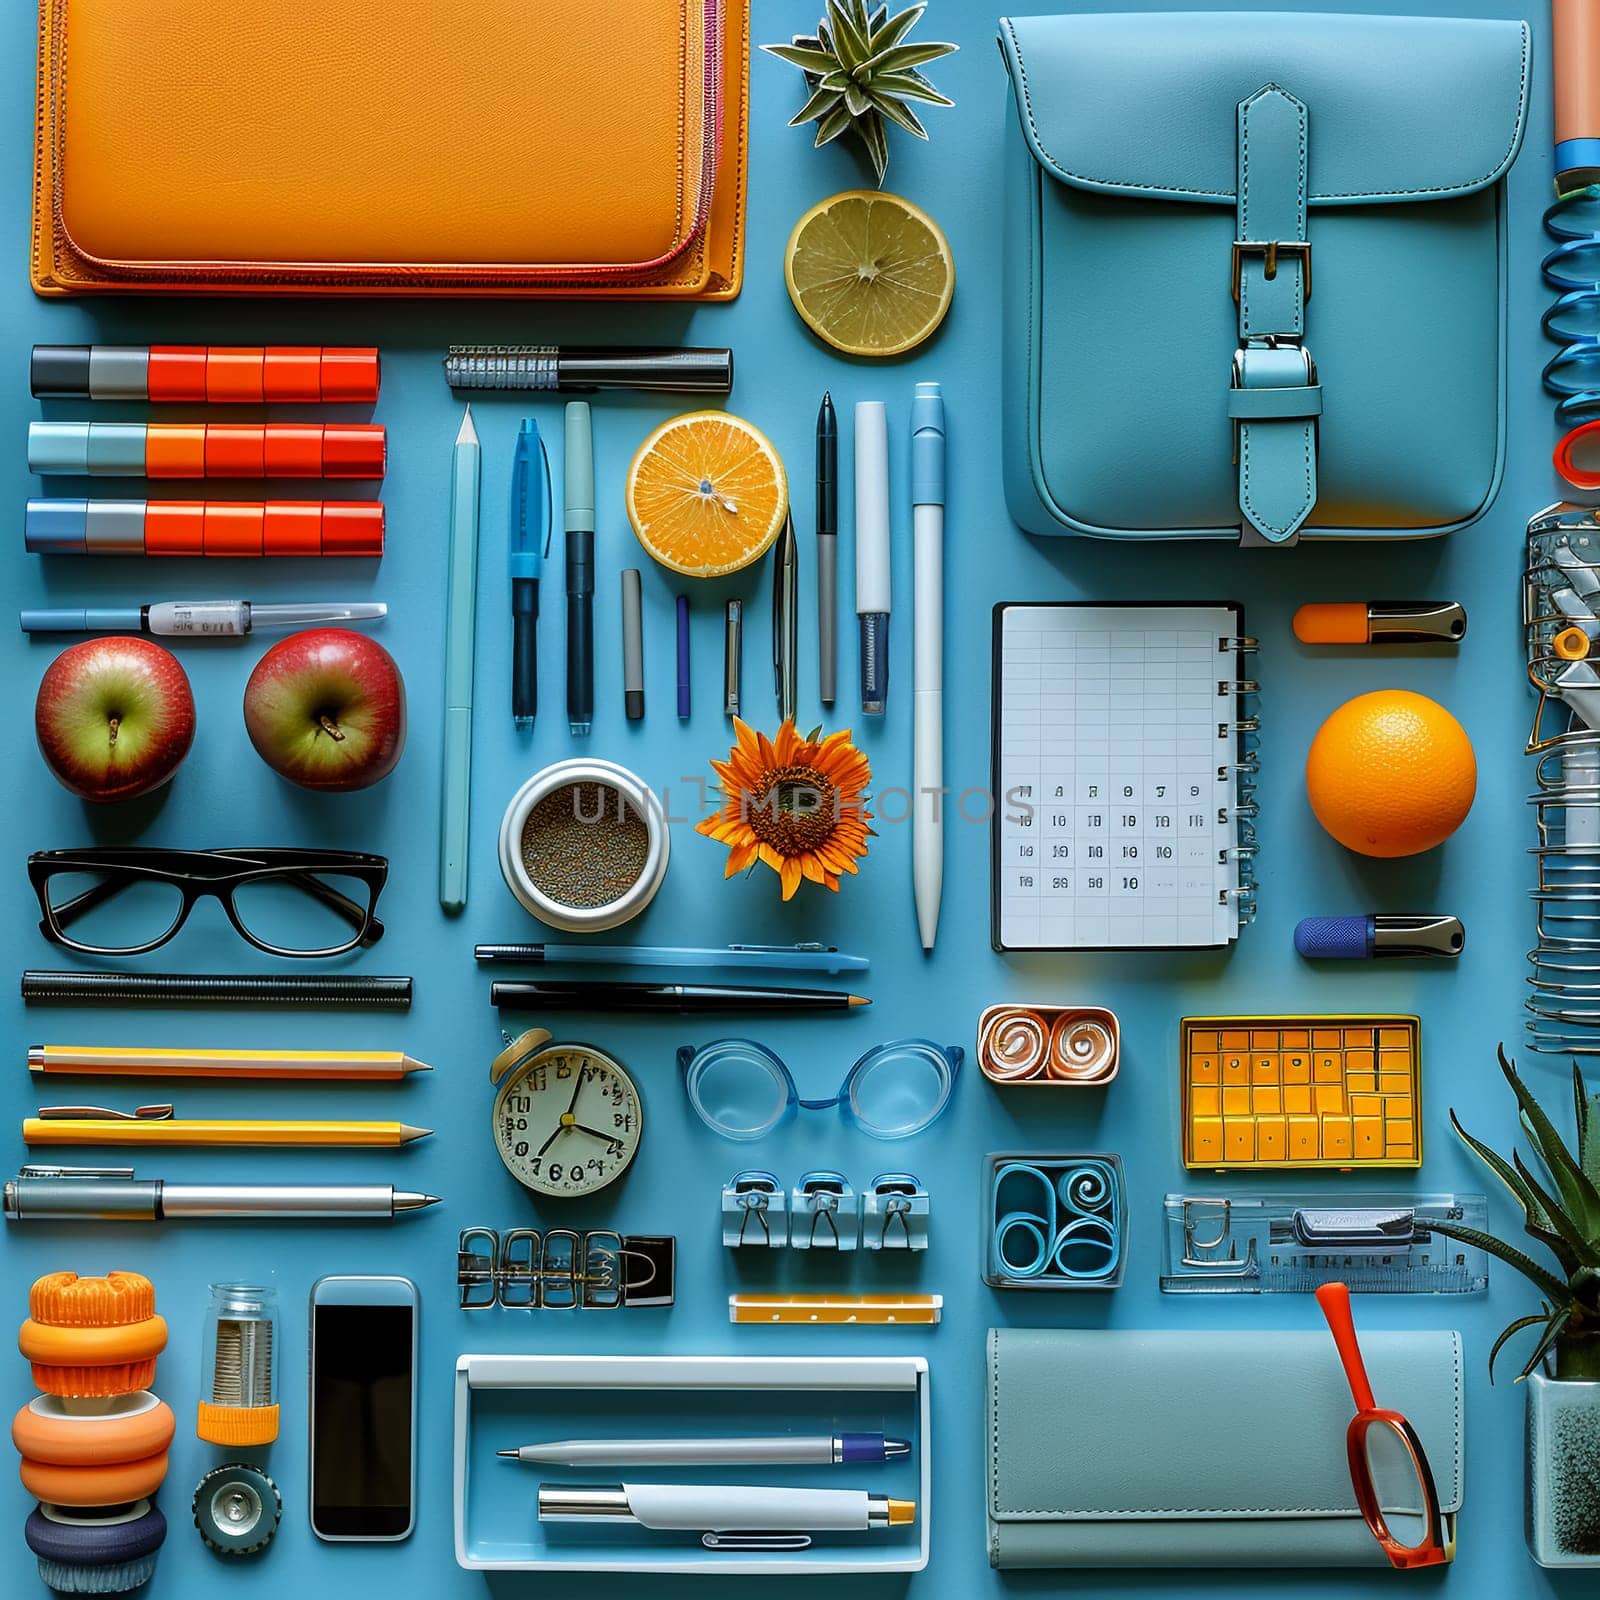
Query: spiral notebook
column 1124, row 776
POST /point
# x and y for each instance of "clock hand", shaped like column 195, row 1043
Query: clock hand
column 577, row 1089
column 595, row 1133
column 561, row 1128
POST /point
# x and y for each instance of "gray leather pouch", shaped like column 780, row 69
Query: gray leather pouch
column 1219, row 1449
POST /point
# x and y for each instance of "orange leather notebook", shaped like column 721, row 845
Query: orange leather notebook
column 572, row 150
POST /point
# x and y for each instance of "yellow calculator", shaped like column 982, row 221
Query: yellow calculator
column 1301, row 1091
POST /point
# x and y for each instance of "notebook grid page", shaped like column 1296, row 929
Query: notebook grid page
column 1113, row 814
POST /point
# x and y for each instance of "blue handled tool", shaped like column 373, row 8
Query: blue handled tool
column 1366, row 938
column 530, row 543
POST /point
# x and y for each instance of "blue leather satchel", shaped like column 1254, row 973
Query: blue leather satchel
column 1177, row 186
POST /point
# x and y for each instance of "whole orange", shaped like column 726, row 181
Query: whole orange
column 1391, row 774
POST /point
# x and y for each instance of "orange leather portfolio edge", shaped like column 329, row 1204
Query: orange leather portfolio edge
column 591, row 150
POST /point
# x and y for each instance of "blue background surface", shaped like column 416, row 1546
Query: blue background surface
column 225, row 796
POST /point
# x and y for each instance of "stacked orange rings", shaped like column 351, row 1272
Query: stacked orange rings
column 1048, row 1044
column 96, row 1436
column 92, row 1336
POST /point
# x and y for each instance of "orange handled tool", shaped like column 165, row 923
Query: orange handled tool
column 1381, row 622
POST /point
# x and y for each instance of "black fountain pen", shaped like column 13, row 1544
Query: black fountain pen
column 521, row 996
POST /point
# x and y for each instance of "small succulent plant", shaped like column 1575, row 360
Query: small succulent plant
column 1561, row 1204
column 861, row 73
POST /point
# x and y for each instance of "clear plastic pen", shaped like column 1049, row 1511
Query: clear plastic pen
column 200, row 619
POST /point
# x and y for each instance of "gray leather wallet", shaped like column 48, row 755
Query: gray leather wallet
column 1213, row 1449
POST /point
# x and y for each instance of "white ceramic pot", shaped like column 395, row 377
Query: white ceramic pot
column 636, row 793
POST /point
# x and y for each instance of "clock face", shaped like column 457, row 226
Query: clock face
column 567, row 1120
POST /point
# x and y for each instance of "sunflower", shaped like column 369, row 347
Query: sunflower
column 799, row 804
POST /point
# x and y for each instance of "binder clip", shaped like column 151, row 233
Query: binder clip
column 564, row 1270
column 894, row 1213
column 824, row 1213
column 755, row 1211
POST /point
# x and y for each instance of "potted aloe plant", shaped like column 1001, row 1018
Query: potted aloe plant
column 1560, row 1200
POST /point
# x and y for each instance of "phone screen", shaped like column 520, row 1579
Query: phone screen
column 361, row 1396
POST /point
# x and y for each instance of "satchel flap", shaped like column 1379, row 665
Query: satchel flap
column 1085, row 1425
column 215, row 133
column 1400, row 108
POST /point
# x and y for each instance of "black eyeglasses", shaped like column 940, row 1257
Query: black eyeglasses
column 287, row 902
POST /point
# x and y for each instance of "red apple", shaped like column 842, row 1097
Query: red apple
column 114, row 717
column 327, row 709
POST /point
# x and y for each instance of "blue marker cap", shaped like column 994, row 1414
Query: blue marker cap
column 126, row 619
column 530, row 503
column 927, row 446
column 56, row 527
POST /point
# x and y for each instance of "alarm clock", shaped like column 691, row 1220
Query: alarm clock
column 567, row 1118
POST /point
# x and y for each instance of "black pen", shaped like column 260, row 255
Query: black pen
column 786, row 620
column 666, row 997
column 827, row 549
column 577, row 490
column 530, row 531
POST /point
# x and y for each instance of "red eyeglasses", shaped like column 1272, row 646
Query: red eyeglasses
column 1388, row 1467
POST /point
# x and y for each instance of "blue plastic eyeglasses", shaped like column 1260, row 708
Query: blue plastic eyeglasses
column 742, row 1090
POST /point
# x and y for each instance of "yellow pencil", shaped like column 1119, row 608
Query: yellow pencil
column 155, row 1125
column 94, row 1061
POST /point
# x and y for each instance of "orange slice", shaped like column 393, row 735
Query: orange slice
column 707, row 494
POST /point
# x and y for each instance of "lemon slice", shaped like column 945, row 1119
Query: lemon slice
column 707, row 494
column 869, row 272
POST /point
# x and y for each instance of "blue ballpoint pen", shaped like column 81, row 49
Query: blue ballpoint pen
column 577, row 488
column 530, row 533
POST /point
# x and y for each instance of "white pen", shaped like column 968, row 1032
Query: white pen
column 872, row 552
column 724, row 1508
column 927, row 682
column 782, row 1450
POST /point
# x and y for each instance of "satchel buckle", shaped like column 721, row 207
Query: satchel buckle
column 1272, row 341
column 1269, row 250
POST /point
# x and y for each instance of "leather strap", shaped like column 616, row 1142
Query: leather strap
column 1275, row 400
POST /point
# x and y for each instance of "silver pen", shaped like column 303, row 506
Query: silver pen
column 200, row 619
column 114, row 1194
column 782, row 1450
column 732, row 656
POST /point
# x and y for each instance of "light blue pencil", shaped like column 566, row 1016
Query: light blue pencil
column 466, row 462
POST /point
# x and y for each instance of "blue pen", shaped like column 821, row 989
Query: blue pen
column 530, row 535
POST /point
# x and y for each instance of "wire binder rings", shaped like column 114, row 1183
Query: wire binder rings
column 1244, row 767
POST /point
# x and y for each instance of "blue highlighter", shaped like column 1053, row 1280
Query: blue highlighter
column 1373, row 937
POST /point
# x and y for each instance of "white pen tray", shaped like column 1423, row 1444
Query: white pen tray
column 502, row 1401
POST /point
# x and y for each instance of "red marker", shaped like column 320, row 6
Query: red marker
column 206, row 449
column 204, row 527
column 208, row 374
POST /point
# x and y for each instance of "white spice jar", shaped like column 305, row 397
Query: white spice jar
column 570, row 890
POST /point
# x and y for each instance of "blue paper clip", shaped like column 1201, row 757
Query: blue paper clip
column 754, row 1211
column 824, row 1215
column 1057, row 1223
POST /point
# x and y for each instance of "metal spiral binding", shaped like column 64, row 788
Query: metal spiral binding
column 502, row 366
column 1243, row 768
column 1561, row 626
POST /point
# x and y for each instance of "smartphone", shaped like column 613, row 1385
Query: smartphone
column 363, row 1407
